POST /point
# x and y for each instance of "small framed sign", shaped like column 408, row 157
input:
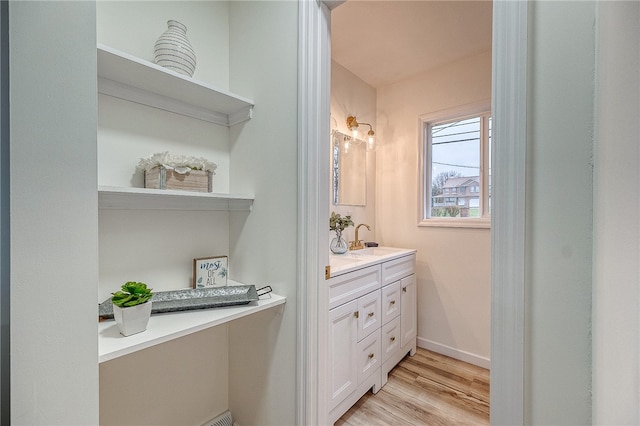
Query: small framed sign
column 210, row 271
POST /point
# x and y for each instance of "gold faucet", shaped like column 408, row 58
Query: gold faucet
column 357, row 244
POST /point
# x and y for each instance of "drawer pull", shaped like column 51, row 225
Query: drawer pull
column 393, row 302
column 404, row 289
column 371, row 314
column 393, row 338
column 371, row 355
column 356, row 314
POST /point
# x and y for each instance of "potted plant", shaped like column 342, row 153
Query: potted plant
column 130, row 308
column 338, row 224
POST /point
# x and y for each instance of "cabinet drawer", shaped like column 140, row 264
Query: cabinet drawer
column 391, row 338
column 347, row 287
column 390, row 302
column 369, row 318
column 397, row 269
column 369, row 356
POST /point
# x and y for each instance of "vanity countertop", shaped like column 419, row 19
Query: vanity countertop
column 357, row 259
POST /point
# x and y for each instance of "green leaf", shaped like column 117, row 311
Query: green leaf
column 132, row 294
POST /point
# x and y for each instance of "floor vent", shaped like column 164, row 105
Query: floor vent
column 223, row 419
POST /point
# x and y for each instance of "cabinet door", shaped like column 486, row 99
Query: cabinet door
column 390, row 302
column 342, row 362
column 368, row 314
column 409, row 308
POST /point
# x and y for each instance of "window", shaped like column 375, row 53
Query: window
column 456, row 150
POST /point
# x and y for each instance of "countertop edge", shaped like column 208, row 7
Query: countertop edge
column 370, row 261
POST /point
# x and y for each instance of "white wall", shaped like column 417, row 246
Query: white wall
column 616, row 234
column 559, row 204
column 453, row 264
column 352, row 96
column 54, row 213
column 262, row 348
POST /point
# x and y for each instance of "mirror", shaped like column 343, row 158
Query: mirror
column 349, row 170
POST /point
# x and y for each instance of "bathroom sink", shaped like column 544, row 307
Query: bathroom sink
column 378, row 251
column 356, row 259
column 347, row 259
column 341, row 261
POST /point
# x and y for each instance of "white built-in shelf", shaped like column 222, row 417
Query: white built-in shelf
column 165, row 327
column 127, row 77
column 122, row 198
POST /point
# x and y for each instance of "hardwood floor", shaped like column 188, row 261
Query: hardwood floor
column 426, row 389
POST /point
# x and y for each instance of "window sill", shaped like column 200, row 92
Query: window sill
column 480, row 223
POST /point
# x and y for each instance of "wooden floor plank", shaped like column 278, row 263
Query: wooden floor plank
column 426, row 389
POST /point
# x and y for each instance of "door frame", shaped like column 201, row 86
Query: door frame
column 314, row 90
column 509, row 104
column 509, row 94
column 5, row 243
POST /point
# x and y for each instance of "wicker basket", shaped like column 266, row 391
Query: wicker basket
column 163, row 178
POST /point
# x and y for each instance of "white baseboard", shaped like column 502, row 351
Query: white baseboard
column 474, row 359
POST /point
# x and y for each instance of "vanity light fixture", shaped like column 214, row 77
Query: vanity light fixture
column 354, row 126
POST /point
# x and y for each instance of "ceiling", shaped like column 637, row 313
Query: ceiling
column 383, row 42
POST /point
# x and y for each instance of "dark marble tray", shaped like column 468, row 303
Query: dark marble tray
column 190, row 299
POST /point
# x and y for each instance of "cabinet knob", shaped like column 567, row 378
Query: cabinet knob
column 371, row 355
column 393, row 302
column 356, row 314
column 393, row 338
column 404, row 289
column 371, row 314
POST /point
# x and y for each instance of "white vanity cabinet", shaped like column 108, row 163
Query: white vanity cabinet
column 372, row 326
column 354, row 352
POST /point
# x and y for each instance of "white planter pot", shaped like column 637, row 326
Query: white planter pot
column 133, row 319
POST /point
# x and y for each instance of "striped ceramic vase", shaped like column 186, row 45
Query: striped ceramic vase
column 173, row 50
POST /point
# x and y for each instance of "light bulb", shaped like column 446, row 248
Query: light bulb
column 371, row 141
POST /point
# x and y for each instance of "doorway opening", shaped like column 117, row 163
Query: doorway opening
column 509, row 51
column 393, row 64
